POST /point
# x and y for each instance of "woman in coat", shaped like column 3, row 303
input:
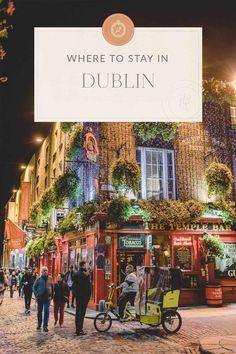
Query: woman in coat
column 60, row 298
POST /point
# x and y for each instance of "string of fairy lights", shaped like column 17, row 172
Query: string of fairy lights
column 7, row 9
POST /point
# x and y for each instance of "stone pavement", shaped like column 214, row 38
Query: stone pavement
column 18, row 333
column 218, row 345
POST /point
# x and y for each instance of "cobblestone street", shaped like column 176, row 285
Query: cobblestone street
column 18, row 333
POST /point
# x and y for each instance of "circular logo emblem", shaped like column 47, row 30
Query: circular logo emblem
column 118, row 29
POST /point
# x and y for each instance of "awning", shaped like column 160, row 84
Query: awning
column 15, row 235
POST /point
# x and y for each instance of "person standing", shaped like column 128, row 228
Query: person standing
column 12, row 283
column 43, row 291
column 82, row 290
column 3, row 285
column 28, row 282
column 69, row 281
column 60, row 297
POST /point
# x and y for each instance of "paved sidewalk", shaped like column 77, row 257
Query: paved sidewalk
column 218, row 345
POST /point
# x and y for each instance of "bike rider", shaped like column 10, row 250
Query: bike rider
column 129, row 289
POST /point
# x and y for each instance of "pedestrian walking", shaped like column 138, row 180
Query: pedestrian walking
column 82, row 290
column 43, row 291
column 12, row 283
column 19, row 280
column 69, row 280
column 28, row 282
column 3, row 285
column 60, row 297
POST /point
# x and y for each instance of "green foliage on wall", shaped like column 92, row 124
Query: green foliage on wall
column 118, row 210
column 216, row 91
column 75, row 141
column 219, row 180
column 70, row 222
column 66, row 186
column 212, row 246
column 66, row 126
column 126, row 175
column 172, row 211
column 146, row 131
column 226, row 210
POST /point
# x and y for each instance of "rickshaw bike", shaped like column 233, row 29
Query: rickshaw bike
column 155, row 304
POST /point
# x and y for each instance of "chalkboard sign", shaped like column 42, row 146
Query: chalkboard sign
column 183, row 257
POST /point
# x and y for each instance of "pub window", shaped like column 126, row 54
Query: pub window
column 157, row 173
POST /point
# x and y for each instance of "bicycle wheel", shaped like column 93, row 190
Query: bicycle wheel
column 171, row 321
column 102, row 322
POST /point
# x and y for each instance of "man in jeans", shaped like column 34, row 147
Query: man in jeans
column 43, row 291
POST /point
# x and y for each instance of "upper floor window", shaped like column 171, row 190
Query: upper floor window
column 157, row 173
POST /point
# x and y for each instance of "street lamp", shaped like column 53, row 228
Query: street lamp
column 14, row 190
column 38, row 140
column 22, row 167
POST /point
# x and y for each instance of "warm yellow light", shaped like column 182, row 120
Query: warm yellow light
column 23, row 167
column 234, row 83
column 39, row 140
column 14, row 190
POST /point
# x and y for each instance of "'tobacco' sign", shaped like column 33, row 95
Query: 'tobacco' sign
column 80, row 75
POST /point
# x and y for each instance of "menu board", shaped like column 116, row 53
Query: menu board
column 183, row 257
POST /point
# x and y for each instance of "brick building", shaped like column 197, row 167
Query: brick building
column 169, row 170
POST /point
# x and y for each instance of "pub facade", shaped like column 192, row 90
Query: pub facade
column 171, row 169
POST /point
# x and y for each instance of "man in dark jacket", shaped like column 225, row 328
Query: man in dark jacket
column 43, row 291
column 27, row 281
column 82, row 290
column 60, row 297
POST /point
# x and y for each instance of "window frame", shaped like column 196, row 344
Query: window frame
column 165, row 178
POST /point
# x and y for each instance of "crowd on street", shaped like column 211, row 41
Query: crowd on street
column 74, row 285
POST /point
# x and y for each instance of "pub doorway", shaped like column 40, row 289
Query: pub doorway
column 136, row 258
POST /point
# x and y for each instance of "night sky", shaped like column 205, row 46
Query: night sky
column 17, row 127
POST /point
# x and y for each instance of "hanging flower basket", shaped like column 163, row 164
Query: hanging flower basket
column 219, row 180
column 66, row 186
column 126, row 175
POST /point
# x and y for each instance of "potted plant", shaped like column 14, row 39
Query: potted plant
column 212, row 247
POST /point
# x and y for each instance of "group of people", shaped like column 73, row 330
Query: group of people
column 75, row 282
column 44, row 290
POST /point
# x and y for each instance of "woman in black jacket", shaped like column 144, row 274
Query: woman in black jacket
column 60, row 297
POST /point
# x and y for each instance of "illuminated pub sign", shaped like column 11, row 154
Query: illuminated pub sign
column 226, row 266
column 183, row 251
column 192, row 226
column 132, row 241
